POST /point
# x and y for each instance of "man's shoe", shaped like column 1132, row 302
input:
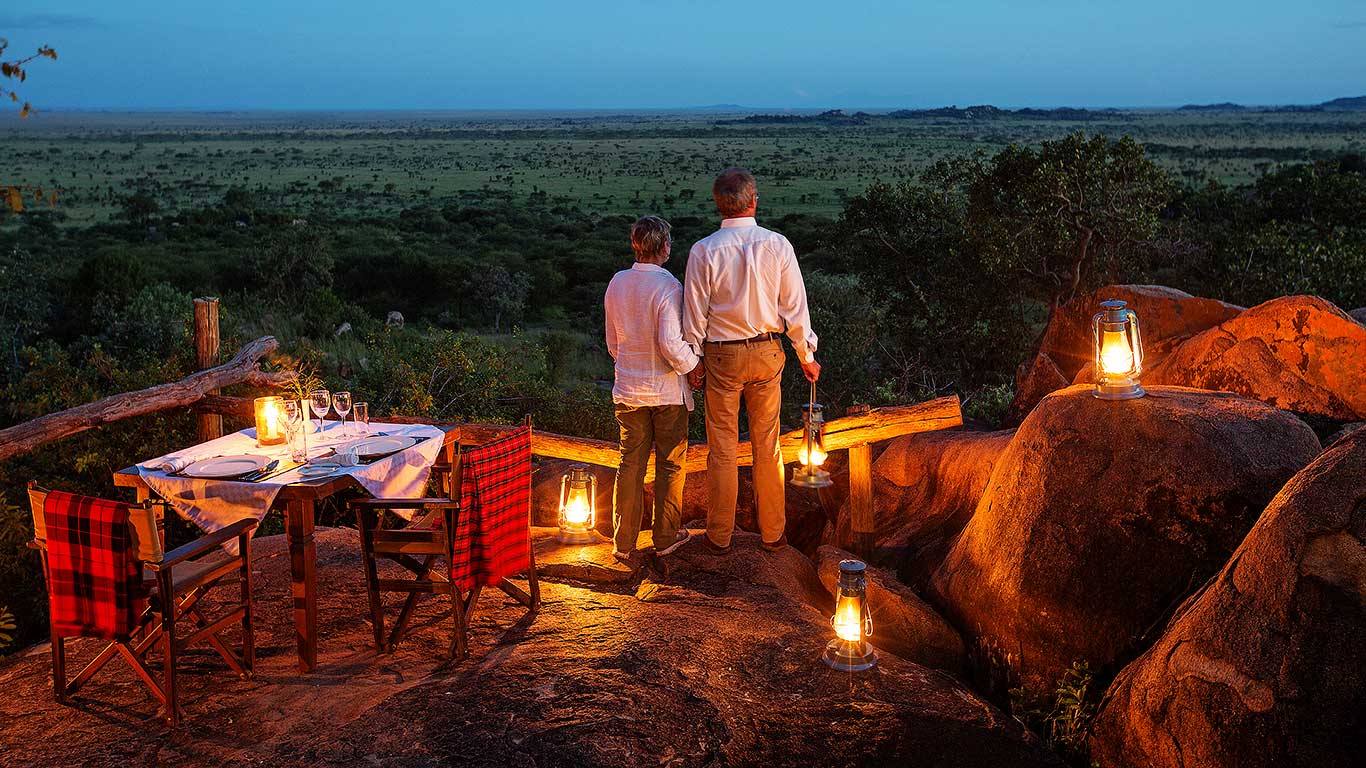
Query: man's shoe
column 781, row 543
column 713, row 547
column 624, row 557
column 683, row 535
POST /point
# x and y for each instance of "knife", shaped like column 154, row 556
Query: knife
column 252, row 477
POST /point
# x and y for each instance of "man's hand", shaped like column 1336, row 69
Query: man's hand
column 811, row 370
column 697, row 376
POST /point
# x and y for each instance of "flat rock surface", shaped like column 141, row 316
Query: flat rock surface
column 717, row 664
column 1101, row 516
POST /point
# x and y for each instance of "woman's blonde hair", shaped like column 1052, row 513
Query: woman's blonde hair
column 649, row 237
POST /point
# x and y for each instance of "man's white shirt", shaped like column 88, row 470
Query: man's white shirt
column 743, row 281
column 644, row 336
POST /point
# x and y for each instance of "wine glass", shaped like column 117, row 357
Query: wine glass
column 320, row 400
column 360, row 414
column 341, row 402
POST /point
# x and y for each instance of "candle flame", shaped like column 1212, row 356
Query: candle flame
column 270, row 414
column 1116, row 356
column 848, row 620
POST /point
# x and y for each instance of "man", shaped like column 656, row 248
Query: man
column 651, row 395
column 744, row 291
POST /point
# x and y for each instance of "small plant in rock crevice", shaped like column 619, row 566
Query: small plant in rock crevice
column 1065, row 720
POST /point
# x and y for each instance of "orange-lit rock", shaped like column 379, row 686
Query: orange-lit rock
column 1100, row 516
column 925, row 488
column 1165, row 316
column 1298, row 353
column 1267, row 665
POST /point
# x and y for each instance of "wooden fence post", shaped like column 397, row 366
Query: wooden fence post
column 206, row 342
column 863, row 534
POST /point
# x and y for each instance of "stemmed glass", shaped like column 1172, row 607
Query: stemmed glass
column 320, row 400
column 360, row 414
column 341, row 402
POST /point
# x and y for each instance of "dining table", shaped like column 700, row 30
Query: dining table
column 297, row 498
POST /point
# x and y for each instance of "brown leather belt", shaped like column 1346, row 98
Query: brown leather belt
column 770, row 336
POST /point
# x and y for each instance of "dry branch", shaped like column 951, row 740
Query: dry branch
column 242, row 369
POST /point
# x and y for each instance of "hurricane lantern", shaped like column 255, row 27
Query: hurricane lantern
column 270, row 420
column 578, row 505
column 811, row 455
column 853, row 624
column 1118, row 352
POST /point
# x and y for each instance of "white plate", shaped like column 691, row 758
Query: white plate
column 222, row 467
column 318, row 470
column 381, row 446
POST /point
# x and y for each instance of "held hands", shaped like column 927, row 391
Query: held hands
column 811, row 370
column 697, row 376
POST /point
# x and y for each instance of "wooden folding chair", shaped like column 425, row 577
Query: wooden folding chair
column 428, row 536
column 175, row 582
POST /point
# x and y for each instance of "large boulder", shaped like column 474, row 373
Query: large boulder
column 903, row 623
column 1166, row 316
column 925, row 488
column 1102, row 515
column 717, row 665
column 1298, row 353
column 1266, row 666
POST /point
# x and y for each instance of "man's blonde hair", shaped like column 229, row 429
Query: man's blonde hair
column 734, row 191
column 649, row 237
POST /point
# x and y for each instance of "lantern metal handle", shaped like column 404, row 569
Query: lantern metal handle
column 1138, row 342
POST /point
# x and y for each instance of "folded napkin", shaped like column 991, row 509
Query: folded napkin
column 169, row 464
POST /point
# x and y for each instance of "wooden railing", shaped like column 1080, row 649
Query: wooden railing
column 200, row 392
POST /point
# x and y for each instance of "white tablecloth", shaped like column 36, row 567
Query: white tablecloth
column 215, row 504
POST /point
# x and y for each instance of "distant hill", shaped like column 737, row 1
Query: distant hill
column 979, row 112
column 1351, row 103
column 1226, row 106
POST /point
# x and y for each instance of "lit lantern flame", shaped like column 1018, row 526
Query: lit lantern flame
column 848, row 619
column 576, row 506
column 578, row 501
column 816, row 457
column 1116, row 356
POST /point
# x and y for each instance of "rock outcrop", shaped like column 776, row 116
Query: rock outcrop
column 1298, row 353
column 1359, row 315
column 717, row 665
column 1166, row 317
column 1101, row 516
column 903, row 623
column 925, row 488
column 1266, row 666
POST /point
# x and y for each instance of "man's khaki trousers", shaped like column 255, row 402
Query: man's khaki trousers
column 751, row 370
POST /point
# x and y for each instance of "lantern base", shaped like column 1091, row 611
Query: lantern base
column 811, row 478
column 1128, row 390
column 849, row 656
column 587, row 536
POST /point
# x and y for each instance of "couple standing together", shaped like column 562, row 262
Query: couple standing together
column 722, row 330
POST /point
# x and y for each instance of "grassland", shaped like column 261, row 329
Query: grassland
column 375, row 163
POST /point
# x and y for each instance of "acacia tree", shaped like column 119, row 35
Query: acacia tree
column 16, row 69
column 1061, row 217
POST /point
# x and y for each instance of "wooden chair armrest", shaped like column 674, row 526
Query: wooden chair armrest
column 204, row 544
column 403, row 504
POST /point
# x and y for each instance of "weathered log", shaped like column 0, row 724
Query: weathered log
column 242, row 369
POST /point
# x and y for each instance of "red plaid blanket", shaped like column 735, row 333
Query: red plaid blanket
column 495, row 499
column 94, row 581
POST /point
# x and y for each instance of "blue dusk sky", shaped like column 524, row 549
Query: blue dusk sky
column 558, row 54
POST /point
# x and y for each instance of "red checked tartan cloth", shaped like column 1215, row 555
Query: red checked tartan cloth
column 94, row 581
column 495, row 501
